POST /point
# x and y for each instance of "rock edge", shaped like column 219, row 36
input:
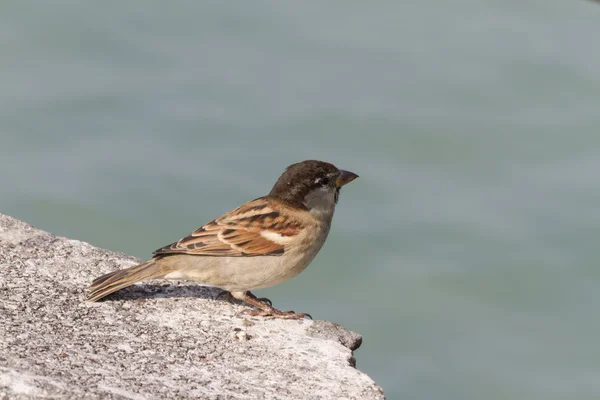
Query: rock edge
column 151, row 341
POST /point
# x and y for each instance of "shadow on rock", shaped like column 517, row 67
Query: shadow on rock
column 158, row 291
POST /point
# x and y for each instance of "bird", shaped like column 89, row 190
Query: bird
column 262, row 243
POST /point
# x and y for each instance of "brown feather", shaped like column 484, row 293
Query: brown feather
column 116, row 280
column 238, row 233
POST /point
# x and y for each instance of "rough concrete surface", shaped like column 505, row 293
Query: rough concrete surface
column 153, row 340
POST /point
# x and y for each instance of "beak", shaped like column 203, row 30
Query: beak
column 345, row 178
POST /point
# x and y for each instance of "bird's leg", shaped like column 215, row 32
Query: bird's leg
column 230, row 297
column 264, row 309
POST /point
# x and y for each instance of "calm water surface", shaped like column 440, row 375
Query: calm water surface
column 466, row 254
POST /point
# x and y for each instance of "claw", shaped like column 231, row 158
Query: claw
column 304, row 315
column 266, row 301
column 261, row 299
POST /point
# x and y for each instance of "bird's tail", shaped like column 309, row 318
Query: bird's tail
column 116, row 280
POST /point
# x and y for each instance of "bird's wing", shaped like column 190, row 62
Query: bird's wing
column 254, row 229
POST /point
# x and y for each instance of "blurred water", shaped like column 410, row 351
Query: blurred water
column 466, row 254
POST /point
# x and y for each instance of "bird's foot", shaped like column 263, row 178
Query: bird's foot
column 230, row 297
column 263, row 300
column 264, row 306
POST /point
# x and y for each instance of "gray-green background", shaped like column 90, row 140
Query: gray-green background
column 466, row 254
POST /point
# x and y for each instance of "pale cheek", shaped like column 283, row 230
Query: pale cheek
column 321, row 201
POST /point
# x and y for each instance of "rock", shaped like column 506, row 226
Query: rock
column 153, row 340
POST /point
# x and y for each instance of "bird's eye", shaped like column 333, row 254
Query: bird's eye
column 323, row 181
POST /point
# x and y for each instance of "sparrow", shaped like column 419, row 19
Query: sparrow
column 262, row 243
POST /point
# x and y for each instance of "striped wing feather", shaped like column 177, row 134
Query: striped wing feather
column 239, row 233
